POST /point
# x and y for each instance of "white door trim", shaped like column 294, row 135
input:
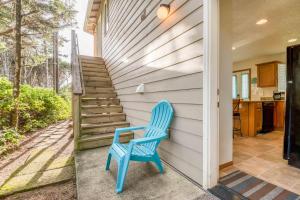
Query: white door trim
column 210, row 94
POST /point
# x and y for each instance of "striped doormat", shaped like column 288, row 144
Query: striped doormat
column 245, row 186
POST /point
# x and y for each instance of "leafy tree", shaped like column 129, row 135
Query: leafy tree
column 27, row 25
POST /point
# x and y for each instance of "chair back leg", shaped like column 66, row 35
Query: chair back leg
column 108, row 161
column 156, row 160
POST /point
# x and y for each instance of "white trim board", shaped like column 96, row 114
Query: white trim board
column 210, row 94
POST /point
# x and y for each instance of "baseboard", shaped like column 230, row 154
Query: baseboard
column 226, row 165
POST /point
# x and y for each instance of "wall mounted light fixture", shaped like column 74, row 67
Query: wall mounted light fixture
column 292, row 40
column 163, row 11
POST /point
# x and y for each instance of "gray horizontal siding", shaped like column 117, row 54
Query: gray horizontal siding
column 167, row 56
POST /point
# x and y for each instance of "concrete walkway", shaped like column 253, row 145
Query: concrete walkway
column 143, row 181
column 45, row 160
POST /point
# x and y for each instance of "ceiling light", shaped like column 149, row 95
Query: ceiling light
column 292, row 40
column 233, row 48
column 163, row 11
column 261, row 21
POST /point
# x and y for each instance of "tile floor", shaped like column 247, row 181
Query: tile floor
column 261, row 156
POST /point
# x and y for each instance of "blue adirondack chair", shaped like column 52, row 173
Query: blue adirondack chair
column 142, row 149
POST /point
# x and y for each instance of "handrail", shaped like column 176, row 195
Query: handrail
column 77, row 89
column 77, row 77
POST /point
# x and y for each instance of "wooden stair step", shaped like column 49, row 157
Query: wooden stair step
column 91, row 70
column 94, row 141
column 100, row 83
column 100, row 101
column 102, row 118
column 94, row 77
column 94, row 67
column 95, row 74
column 99, row 89
column 89, row 61
column 102, row 128
column 101, row 95
column 99, row 80
column 98, row 109
column 90, row 57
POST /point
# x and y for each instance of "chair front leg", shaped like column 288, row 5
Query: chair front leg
column 122, row 171
column 123, row 167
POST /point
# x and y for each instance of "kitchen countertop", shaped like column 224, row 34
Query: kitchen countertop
column 249, row 101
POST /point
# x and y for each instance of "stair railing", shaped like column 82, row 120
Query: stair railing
column 77, row 87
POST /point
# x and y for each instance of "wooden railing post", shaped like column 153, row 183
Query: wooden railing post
column 76, row 119
column 77, row 88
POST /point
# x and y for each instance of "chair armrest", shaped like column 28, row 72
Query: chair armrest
column 147, row 140
column 118, row 131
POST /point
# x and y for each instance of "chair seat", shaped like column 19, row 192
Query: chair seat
column 138, row 150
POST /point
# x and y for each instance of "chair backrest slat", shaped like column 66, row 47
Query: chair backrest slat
column 162, row 115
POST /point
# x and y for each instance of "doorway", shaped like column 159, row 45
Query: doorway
column 260, row 32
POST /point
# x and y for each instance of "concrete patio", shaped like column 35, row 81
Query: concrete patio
column 143, row 180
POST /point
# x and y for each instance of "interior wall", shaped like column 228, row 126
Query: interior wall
column 225, row 82
column 257, row 93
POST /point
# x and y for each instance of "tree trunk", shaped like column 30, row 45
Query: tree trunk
column 46, row 64
column 55, row 62
column 18, row 66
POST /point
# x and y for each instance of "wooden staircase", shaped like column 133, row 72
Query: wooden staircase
column 100, row 109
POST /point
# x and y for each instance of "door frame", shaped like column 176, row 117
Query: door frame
column 211, row 13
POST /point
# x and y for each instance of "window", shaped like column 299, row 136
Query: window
column 281, row 77
column 245, row 85
column 241, row 84
column 234, row 86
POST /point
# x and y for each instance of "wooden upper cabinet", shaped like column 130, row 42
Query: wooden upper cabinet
column 267, row 74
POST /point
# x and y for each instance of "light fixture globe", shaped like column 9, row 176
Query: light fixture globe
column 261, row 21
column 163, row 11
column 292, row 40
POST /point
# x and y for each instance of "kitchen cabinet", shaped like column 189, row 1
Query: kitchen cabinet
column 258, row 117
column 244, row 110
column 279, row 115
column 252, row 116
column 255, row 118
column 267, row 74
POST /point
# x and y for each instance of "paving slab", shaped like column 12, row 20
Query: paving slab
column 34, row 180
column 45, row 160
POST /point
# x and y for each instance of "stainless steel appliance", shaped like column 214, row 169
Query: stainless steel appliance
column 278, row 95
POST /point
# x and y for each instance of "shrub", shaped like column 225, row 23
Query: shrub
column 9, row 136
column 38, row 107
column 9, row 139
